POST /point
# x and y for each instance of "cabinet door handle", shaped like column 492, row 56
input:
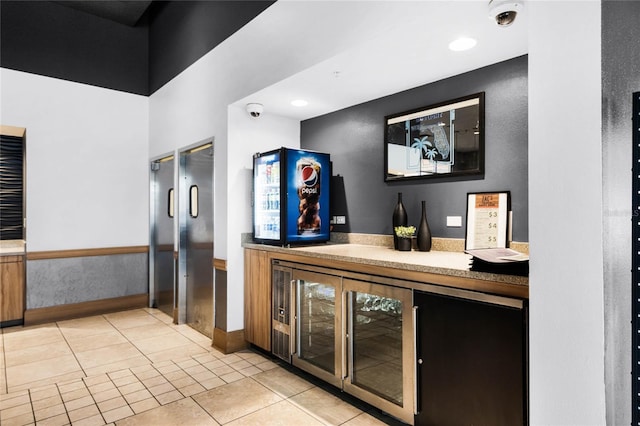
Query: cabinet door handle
column 416, row 379
column 345, row 333
column 293, row 317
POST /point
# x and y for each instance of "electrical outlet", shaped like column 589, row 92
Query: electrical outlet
column 454, row 221
column 340, row 220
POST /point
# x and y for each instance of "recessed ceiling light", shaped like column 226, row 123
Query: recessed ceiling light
column 462, row 43
column 299, row 103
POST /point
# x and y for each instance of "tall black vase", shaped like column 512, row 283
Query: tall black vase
column 399, row 219
column 424, row 233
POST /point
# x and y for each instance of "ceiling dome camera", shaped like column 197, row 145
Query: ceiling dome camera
column 255, row 110
column 504, row 11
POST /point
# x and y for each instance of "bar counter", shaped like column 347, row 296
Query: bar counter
column 438, row 267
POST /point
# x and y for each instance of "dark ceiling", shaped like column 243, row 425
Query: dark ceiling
column 132, row 46
column 125, row 12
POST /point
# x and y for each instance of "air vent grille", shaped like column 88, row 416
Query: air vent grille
column 11, row 188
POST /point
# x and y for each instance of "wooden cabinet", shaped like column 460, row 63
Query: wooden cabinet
column 257, row 298
column 457, row 346
column 12, row 291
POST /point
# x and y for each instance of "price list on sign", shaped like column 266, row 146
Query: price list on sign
column 486, row 226
column 487, row 220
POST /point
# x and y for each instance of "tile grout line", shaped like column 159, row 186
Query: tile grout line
column 57, row 385
column 121, row 394
column 304, row 410
column 147, row 389
column 125, row 337
column 205, row 410
column 70, row 348
column 92, row 398
column 33, row 410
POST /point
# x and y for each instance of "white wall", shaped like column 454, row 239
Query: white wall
column 248, row 135
column 87, row 168
column 193, row 106
column 565, row 210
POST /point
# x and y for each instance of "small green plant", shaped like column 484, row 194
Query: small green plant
column 405, row 231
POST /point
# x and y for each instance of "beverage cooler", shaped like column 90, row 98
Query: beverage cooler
column 291, row 197
column 355, row 334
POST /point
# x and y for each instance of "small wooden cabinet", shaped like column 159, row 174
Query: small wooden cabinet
column 257, row 298
column 12, row 290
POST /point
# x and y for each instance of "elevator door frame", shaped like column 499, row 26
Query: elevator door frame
column 183, row 188
column 153, row 227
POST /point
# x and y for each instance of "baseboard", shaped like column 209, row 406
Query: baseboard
column 228, row 342
column 11, row 323
column 84, row 309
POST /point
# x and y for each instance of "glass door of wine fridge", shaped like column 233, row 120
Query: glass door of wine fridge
column 379, row 346
column 318, row 325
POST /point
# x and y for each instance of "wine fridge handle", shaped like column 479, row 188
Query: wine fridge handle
column 416, row 379
column 345, row 333
column 293, row 318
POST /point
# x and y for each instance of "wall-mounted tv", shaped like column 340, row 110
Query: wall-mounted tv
column 440, row 140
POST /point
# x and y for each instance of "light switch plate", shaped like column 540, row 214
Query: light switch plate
column 454, row 221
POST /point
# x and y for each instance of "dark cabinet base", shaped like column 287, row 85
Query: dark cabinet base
column 473, row 369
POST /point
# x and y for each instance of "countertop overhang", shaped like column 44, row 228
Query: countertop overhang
column 439, row 267
column 11, row 247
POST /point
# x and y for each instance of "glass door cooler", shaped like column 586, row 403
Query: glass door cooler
column 291, row 197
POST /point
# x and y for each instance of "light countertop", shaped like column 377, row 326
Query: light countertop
column 435, row 262
column 11, row 247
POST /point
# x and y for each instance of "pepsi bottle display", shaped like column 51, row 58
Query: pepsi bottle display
column 308, row 184
column 291, row 197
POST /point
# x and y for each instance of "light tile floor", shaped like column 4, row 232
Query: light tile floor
column 137, row 368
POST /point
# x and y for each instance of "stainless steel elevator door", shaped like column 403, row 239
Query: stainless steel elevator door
column 163, row 235
column 197, row 237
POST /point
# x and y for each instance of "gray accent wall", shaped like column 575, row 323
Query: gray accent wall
column 620, row 78
column 53, row 282
column 354, row 138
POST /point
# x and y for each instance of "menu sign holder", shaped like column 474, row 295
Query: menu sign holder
column 487, row 220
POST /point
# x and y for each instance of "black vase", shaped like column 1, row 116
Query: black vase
column 399, row 219
column 424, row 233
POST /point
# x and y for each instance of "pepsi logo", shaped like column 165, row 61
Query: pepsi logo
column 309, row 176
